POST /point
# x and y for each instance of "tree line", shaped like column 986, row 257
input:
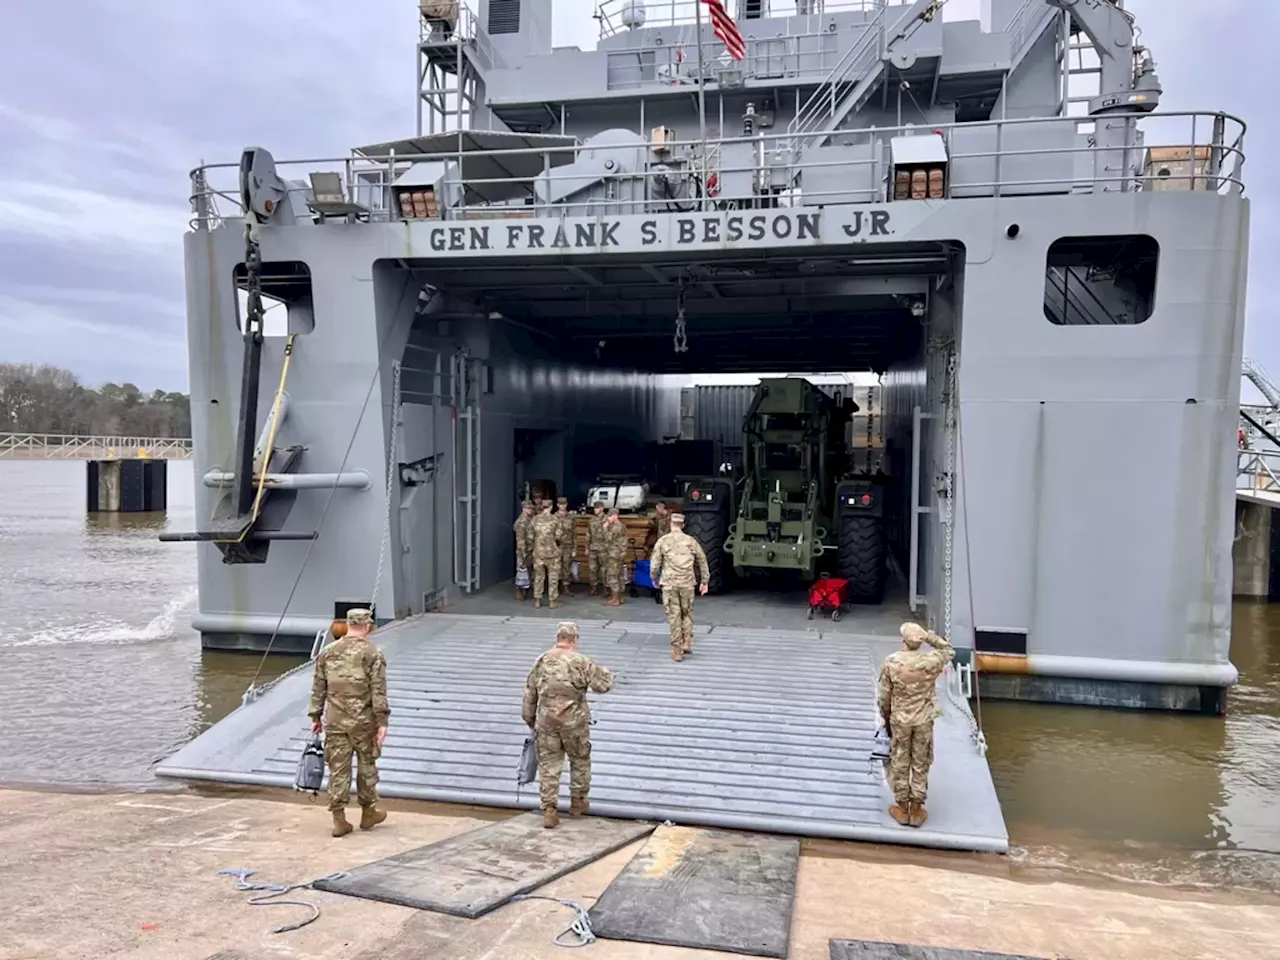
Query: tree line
column 47, row 399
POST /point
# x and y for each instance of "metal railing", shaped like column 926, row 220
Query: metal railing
column 844, row 78
column 467, row 31
column 369, row 179
column 1257, row 470
column 614, row 15
column 805, row 55
column 55, row 446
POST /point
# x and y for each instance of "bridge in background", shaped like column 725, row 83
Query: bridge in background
column 53, row 446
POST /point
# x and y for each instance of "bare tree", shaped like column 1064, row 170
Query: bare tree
column 47, row 399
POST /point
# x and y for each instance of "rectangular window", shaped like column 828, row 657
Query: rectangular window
column 1101, row 281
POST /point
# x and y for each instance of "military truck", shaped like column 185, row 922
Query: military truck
column 799, row 506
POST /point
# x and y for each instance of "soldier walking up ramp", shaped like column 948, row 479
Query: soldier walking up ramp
column 767, row 730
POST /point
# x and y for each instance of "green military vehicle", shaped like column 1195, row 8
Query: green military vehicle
column 799, row 506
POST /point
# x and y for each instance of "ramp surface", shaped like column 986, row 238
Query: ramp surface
column 478, row 871
column 879, row 950
column 760, row 729
column 705, row 889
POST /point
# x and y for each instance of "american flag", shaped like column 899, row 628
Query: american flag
column 726, row 30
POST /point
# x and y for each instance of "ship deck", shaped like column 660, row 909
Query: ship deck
column 762, row 728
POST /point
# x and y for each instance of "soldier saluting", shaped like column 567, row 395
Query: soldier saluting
column 350, row 690
column 555, row 709
column 908, row 703
column 672, row 568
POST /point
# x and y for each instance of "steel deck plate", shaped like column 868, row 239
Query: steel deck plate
column 474, row 872
column 881, row 950
column 758, row 730
column 704, row 889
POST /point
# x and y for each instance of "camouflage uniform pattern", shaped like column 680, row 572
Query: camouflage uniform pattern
column 615, row 553
column 659, row 526
column 523, row 529
column 595, row 550
column 555, row 708
column 672, row 566
column 566, row 544
column 350, row 689
column 909, row 703
column 546, row 556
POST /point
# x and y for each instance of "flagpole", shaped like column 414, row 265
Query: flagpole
column 702, row 108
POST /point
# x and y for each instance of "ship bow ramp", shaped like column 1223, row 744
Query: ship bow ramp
column 767, row 730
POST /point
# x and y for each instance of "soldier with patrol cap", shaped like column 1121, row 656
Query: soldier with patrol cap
column 671, row 565
column 555, row 709
column 349, row 703
column 908, row 703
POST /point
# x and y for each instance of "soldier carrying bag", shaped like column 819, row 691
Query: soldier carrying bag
column 310, row 766
column 528, row 770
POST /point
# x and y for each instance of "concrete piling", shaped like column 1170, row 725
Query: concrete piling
column 126, row 486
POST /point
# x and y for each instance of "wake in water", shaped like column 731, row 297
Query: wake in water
column 160, row 627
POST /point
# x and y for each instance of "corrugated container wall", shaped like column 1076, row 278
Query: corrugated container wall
column 716, row 413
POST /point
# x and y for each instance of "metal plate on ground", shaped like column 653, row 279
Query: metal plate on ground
column 881, row 950
column 475, row 872
column 706, row 889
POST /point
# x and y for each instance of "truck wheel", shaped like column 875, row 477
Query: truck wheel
column 709, row 528
column 860, row 559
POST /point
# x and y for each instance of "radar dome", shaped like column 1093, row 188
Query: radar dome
column 632, row 14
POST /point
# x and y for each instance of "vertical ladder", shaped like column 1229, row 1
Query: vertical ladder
column 466, row 472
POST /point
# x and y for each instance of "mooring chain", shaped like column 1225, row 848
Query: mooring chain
column 949, row 493
column 681, row 338
column 391, row 478
column 253, row 280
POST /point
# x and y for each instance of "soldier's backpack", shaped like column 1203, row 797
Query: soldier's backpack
column 310, row 766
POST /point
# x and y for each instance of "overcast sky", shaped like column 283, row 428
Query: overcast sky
column 103, row 112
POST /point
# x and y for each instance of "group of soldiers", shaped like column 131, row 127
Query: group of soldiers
column 677, row 563
column 544, row 549
column 349, row 697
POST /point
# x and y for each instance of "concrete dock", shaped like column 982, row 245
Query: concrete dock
column 133, row 877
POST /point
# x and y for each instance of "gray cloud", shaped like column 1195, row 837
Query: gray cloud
column 103, row 112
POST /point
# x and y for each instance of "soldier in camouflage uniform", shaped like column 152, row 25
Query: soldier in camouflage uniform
column 546, row 556
column 660, row 525
column 615, row 553
column 908, row 704
column 566, row 543
column 555, row 709
column 523, row 529
column 672, row 567
column 350, row 691
column 595, row 547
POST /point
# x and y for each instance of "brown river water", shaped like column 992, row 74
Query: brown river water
column 101, row 676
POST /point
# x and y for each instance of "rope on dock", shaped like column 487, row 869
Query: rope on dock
column 580, row 928
column 275, row 890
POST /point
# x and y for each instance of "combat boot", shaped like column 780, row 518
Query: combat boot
column 371, row 816
column 554, row 603
column 677, row 654
column 900, row 814
column 617, row 595
column 578, row 806
column 591, row 591
column 550, row 819
column 537, row 603
column 613, row 599
column 340, row 825
column 520, row 593
column 918, row 815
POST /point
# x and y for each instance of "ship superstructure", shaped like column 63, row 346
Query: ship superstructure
column 1050, row 283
